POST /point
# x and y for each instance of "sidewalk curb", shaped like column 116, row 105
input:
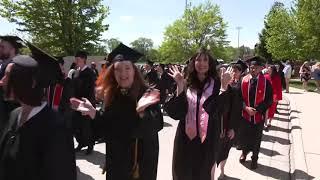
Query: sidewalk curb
column 298, row 165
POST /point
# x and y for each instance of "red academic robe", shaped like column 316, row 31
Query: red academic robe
column 277, row 93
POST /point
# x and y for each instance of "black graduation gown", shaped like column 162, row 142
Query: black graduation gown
column 231, row 109
column 64, row 105
column 122, row 127
column 40, row 149
column 84, row 86
column 152, row 77
column 164, row 85
column 193, row 160
column 250, row 133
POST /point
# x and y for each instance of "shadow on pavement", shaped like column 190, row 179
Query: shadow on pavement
column 229, row 178
column 295, row 127
column 269, row 152
column 283, row 109
column 284, row 114
column 295, row 93
column 302, row 174
column 96, row 158
column 283, row 104
column 295, row 111
column 275, row 139
column 82, row 176
column 269, row 171
column 281, row 119
column 276, row 128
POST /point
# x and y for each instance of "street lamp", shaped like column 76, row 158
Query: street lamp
column 238, row 28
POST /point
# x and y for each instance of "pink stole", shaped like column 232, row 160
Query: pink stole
column 203, row 117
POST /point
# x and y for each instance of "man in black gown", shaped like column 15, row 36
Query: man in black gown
column 84, row 87
column 151, row 75
column 35, row 144
column 257, row 98
column 9, row 46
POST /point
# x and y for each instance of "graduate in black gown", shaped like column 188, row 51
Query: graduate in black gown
column 198, row 107
column 165, row 82
column 130, row 119
column 35, row 144
column 231, row 113
column 257, row 97
column 150, row 74
column 10, row 46
column 84, row 86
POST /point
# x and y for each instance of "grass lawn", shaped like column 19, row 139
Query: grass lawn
column 296, row 83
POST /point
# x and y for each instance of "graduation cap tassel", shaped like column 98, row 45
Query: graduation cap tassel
column 135, row 169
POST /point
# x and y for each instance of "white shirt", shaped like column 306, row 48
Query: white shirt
column 33, row 112
column 287, row 70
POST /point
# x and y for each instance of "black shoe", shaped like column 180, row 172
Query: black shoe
column 89, row 150
column 79, row 147
column 254, row 165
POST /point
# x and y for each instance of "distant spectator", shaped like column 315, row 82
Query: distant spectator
column 72, row 70
column 287, row 74
column 316, row 75
column 94, row 69
column 305, row 74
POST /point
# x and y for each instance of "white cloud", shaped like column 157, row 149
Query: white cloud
column 126, row 18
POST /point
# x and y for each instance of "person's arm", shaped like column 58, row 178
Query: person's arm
column 268, row 100
column 177, row 106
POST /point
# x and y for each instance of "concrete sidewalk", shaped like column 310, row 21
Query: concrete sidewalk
column 273, row 159
column 305, row 127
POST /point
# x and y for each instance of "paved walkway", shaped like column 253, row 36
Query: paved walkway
column 273, row 160
column 305, row 116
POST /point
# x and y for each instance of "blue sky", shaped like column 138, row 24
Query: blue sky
column 131, row 19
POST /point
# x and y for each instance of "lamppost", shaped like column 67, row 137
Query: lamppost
column 238, row 28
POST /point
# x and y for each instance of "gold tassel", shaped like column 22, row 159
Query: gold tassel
column 135, row 169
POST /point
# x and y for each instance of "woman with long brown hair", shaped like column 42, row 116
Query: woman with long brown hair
column 199, row 108
column 130, row 119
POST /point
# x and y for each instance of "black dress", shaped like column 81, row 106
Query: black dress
column 128, row 137
column 193, row 160
column 165, row 85
column 40, row 149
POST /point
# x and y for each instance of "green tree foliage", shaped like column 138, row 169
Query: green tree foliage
column 261, row 47
column 59, row 27
column 145, row 46
column 281, row 33
column 112, row 44
column 308, row 29
column 200, row 26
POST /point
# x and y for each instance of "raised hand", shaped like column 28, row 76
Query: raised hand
column 149, row 98
column 176, row 75
column 225, row 75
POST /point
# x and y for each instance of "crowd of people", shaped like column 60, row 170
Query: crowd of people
column 42, row 108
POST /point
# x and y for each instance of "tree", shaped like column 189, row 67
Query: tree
column 245, row 52
column 281, row 33
column 112, row 44
column 59, row 27
column 200, row 26
column 308, row 28
column 261, row 47
column 143, row 45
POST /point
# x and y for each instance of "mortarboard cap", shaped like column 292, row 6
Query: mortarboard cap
column 15, row 41
column 124, row 53
column 49, row 69
column 241, row 64
column 256, row 60
column 151, row 63
column 25, row 61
